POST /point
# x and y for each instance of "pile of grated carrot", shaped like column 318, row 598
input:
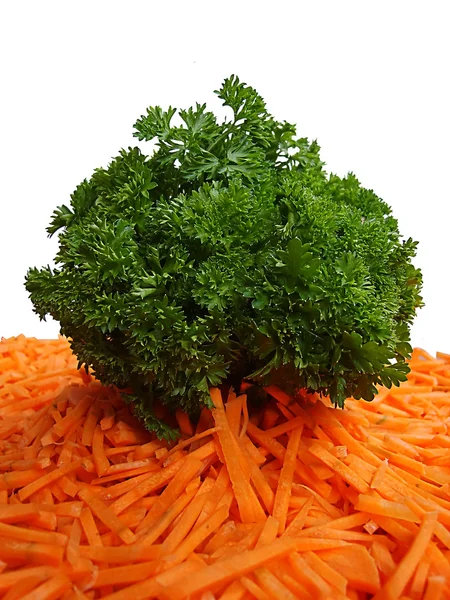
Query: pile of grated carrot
column 298, row 500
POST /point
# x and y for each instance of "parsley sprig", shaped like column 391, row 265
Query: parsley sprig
column 229, row 253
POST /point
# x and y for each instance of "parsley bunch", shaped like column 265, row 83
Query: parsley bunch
column 229, row 253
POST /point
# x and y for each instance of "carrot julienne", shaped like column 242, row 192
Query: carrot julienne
column 295, row 500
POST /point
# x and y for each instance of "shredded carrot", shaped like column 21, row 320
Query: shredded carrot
column 177, row 508
column 52, row 588
column 17, row 513
column 273, row 585
column 184, row 475
column 234, row 460
column 379, row 475
column 281, row 503
column 30, row 553
column 327, row 572
column 197, row 536
column 186, row 522
column 184, row 423
column 297, row 500
column 435, row 588
column 106, row 516
column 215, row 490
column 101, row 461
column 398, row 581
column 25, row 585
column 269, row 532
column 245, row 419
column 233, row 409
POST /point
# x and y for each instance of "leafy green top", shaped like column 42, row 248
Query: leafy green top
column 229, row 253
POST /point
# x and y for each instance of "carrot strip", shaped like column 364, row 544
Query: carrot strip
column 285, row 427
column 51, row 589
column 379, row 506
column 336, row 465
column 90, row 528
column 233, row 411
column 151, row 483
column 246, row 417
column 182, row 528
column 299, row 520
column 18, row 479
column 23, row 586
column 10, row 579
column 279, row 395
column 60, row 428
column 245, row 539
column 107, row 516
column 328, row 574
column 239, row 481
column 108, row 421
column 132, row 478
column 125, row 574
column 156, row 586
column 279, row 451
column 191, row 468
column 90, row 425
column 273, row 585
column 225, row 533
column 419, row 581
column 398, row 581
column 184, row 423
column 378, row 475
column 269, row 532
column 235, row 591
column 67, row 486
column 48, row 478
column 312, row 580
column 270, row 417
column 17, row 513
column 262, row 487
column 121, row 554
column 435, row 588
column 191, row 440
column 30, row 552
column 197, row 536
column 441, row 532
column 228, row 569
column 149, row 449
column 357, row 566
column 383, row 558
column 101, row 462
column 254, row 589
column 219, row 488
column 153, row 533
column 281, row 503
column 32, row 535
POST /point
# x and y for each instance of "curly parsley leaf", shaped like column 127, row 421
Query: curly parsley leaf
column 229, row 253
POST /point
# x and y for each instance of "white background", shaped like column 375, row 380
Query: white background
column 369, row 80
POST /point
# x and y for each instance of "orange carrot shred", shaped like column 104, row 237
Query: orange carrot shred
column 150, row 535
column 435, row 587
column 52, row 588
column 184, row 423
column 398, row 581
column 23, row 586
column 101, row 462
column 230, row 449
column 190, row 469
column 107, row 516
column 283, row 492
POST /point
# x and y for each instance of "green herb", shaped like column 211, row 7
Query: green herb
column 229, row 253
